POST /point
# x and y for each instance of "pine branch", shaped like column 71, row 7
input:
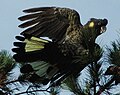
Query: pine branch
column 10, row 82
column 94, row 79
column 32, row 91
column 102, row 88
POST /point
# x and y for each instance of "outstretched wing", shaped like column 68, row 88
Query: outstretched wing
column 52, row 22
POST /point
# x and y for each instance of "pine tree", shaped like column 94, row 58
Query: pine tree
column 7, row 64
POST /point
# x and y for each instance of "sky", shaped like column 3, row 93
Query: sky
column 10, row 10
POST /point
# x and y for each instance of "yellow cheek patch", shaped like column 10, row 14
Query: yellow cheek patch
column 91, row 24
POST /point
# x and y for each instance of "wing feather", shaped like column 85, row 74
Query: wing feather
column 28, row 23
column 29, row 16
column 38, row 9
column 39, row 28
column 48, row 19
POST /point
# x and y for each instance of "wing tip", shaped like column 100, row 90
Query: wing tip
column 20, row 38
column 30, row 10
column 20, row 18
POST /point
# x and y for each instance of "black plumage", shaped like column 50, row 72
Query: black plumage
column 67, row 53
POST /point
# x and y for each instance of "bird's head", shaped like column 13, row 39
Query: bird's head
column 97, row 25
column 92, row 29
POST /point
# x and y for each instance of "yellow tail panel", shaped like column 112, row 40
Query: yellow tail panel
column 34, row 44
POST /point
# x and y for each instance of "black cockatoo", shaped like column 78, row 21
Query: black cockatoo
column 68, row 50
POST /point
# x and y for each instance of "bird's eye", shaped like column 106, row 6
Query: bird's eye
column 99, row 23
column 91, row 24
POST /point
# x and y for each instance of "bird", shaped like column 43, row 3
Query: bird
column 54, row 44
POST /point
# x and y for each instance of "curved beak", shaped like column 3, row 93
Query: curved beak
column 103, row 29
